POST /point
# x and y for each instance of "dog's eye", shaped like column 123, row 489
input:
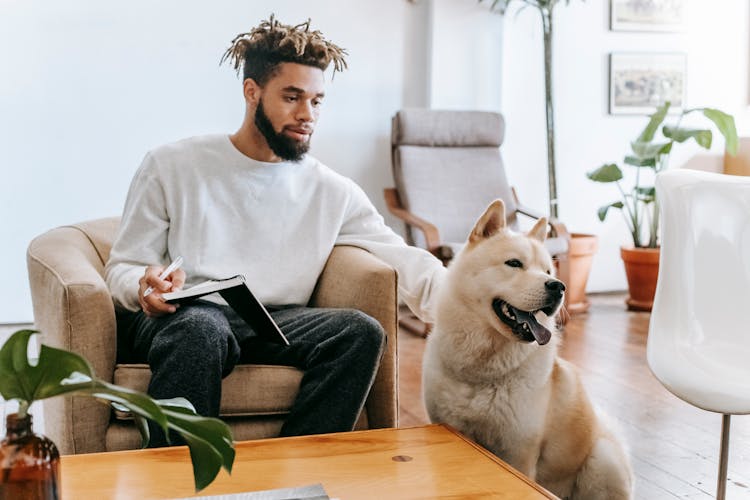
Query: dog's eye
column 549, row 272
column 514, row 263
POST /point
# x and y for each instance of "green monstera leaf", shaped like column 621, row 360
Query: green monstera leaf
column 655, row 120
column 703, row 137
column 646, row 194
column 602, row 212
column 640, row 162
column 649, row 149
column 606, row 173
column 60, row 372
column 725, row 123
column 25, row 382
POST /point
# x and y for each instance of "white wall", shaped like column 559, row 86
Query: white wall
column 716, row 43
column 88, row 87
column 465, row 56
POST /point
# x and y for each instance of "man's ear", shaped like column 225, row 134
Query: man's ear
column 251, row 90
column 490, row 223
column 539, row 231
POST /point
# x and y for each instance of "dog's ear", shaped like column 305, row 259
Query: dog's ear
column 491, row 222
column 539, row 231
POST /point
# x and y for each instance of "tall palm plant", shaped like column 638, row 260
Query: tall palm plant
column 546, row 8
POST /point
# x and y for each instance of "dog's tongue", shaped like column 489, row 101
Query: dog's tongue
column 540, row 333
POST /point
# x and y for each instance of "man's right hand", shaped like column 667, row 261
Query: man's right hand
column 153, row 304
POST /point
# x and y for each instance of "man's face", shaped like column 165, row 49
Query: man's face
column 288, row 108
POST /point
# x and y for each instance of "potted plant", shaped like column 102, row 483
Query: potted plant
column 650, row 154
column 29, row 463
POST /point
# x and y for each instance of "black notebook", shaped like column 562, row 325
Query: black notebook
column 239, row 297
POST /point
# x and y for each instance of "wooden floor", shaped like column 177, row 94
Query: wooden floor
column 674, row 447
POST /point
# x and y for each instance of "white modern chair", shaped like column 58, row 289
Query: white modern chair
column 699, row 341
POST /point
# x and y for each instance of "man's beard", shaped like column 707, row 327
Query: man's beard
column 282, row 146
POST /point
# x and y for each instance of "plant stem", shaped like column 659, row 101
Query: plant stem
column 23, row 408
column 662, row 164
column 637, row 223
column 648, row 217
column 630, row 220
column 639, row 216
column 654, row 225
column 546, row 12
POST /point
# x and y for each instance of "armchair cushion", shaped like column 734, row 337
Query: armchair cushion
column 250, row 390
column 433, row 181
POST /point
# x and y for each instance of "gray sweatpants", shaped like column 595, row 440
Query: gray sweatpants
column 190, row 351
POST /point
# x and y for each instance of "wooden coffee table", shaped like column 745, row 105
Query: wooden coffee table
column 433, row 461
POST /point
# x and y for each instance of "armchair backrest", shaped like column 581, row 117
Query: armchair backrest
column 447, row 168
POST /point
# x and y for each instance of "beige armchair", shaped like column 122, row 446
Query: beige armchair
column 73, row 310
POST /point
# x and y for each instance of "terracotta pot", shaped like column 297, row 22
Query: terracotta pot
column 642, row 270
column 581, row 252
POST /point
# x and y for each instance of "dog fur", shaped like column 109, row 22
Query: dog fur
column 493, row 381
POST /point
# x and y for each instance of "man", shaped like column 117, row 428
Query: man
column 254, row 203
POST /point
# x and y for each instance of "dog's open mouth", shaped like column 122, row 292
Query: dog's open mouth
column 523, row 323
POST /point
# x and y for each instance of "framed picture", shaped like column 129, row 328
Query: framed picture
column 638, row 83
column 647, row 15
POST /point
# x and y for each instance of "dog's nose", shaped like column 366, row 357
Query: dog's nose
column 555, row 286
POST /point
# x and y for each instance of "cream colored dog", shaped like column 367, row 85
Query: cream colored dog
column 491, row 368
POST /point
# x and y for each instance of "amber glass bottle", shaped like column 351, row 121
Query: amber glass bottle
column 29, row 463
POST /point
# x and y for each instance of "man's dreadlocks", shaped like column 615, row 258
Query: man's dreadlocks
column 271, row 43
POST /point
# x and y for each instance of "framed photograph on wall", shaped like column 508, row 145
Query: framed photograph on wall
column 639, row 82
column 647, row 15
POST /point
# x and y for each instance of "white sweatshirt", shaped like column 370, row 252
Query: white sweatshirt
column 274, row 223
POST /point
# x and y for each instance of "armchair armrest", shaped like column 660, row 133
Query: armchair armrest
column 558, row 228
column 72, row 305
column 528, row 212
column 354, row 278
column 73, row 310
column 430, row 231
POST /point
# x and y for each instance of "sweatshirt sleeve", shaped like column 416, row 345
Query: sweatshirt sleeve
column 142, row 237
column 419, row 272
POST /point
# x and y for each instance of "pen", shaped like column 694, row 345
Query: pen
column 170, row 268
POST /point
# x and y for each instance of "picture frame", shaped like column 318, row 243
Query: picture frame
column 640, row 82
column 647, row 15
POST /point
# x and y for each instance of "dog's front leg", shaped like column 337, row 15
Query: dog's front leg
column 523, row 456
column 527, row 464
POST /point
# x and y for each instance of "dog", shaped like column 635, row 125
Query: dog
column 491, row 369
